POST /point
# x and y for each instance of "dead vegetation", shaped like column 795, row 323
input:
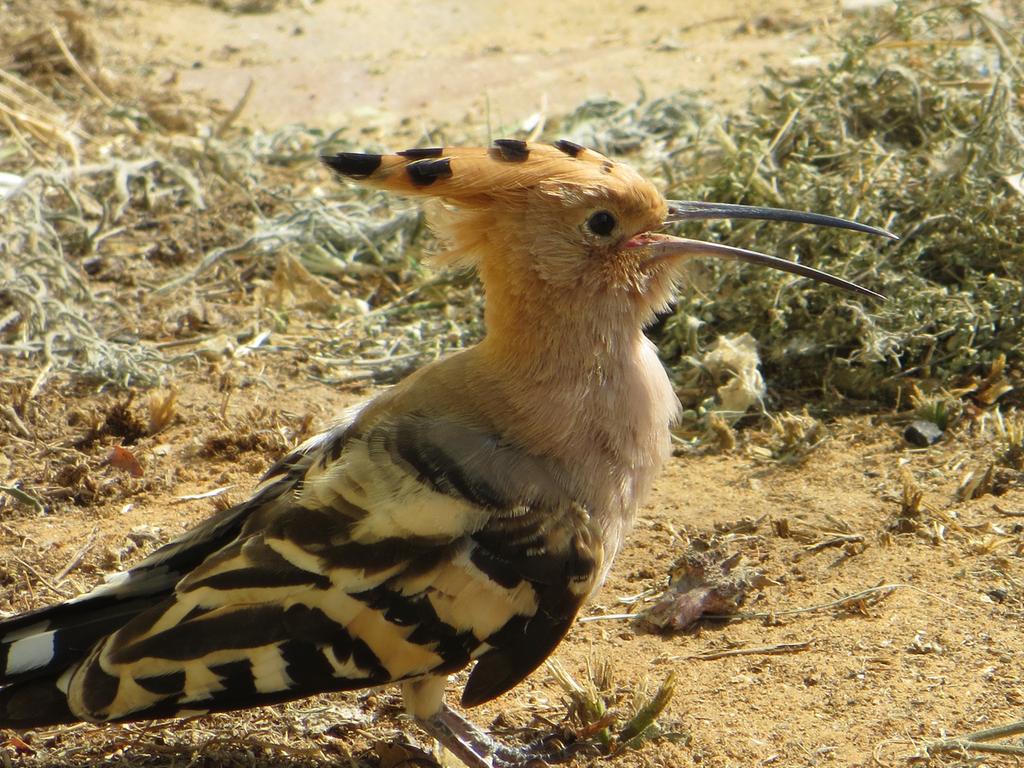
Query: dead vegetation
column 915, row 126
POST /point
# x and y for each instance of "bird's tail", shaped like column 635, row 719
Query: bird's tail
column 37, row 648
column 40, row 648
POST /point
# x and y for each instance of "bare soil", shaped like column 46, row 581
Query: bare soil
column 414, row 65
column 805, row 676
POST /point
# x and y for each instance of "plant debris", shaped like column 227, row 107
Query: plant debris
column 703, row 581
column 914, row 126
column 592, row 707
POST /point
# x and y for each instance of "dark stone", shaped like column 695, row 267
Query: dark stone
column 922, row 433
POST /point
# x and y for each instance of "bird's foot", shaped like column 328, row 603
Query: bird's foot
column 478, row 749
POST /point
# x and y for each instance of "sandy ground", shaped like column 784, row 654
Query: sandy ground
column 857, row 682
column 809, row 677
column 491, row 64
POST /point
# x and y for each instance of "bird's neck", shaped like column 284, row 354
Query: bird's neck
column 585, row 386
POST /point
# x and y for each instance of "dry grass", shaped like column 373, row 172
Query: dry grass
column 915, row 126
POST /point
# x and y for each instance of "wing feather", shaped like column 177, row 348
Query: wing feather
column 417, row 546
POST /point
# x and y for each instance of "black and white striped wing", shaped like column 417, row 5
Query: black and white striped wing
column 407, row 549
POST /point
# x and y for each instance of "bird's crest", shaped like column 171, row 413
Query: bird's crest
column 540, row 199
column 474, row 187
column 476, row 175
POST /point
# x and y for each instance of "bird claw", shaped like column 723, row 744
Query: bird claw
column 478, row 749
column 540, row 753
column 543, row 753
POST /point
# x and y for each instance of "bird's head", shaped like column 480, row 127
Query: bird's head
column 562, row 223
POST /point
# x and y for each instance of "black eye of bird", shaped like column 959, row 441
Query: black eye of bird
column 601, row 223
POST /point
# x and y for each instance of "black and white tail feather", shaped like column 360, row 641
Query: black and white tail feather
column 38, row 648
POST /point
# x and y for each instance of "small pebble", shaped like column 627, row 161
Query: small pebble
column 922, row 433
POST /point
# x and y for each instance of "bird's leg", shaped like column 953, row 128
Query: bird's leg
column 478, row 749
column 463, row 739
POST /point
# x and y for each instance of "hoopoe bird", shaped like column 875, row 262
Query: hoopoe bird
column 459, row 519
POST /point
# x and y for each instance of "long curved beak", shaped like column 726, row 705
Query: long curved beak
column 685, row 210
column 666, row 246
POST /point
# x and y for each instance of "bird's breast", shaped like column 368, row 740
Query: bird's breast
column 609, row 429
